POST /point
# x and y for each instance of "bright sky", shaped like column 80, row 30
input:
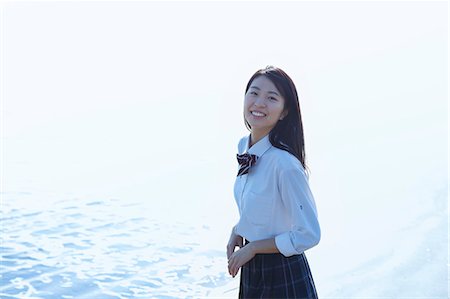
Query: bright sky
column 143, row 101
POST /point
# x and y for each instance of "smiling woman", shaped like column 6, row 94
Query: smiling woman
column 278, row 218
column 263, row 106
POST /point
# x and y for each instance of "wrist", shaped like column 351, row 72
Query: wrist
column 252, row 247
column 263, row 246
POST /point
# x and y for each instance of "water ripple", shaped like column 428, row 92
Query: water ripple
column 104, row 249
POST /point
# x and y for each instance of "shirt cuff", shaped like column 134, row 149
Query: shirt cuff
column 284, row 244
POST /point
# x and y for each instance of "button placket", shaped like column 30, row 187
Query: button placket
column 243, row 184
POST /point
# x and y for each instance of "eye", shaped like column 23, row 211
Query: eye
column 252, row 92
column 273, row 99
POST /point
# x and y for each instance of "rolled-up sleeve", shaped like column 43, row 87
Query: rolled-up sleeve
column 299, row 201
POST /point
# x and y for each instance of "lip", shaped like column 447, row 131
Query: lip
column 261, row 114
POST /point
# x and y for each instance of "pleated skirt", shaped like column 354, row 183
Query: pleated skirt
column 276, row 276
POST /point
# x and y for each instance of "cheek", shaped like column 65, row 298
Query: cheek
column 247, row 102
column 278, row 108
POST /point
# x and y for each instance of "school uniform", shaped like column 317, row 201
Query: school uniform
column 275, row 201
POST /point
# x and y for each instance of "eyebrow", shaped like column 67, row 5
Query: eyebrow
column 255, row 87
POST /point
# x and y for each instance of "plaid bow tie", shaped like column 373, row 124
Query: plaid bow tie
column 246, row 161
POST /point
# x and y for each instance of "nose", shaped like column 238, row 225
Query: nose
column 259, row 102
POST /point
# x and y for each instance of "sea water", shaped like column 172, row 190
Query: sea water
column 105, row 248
column 113, row 248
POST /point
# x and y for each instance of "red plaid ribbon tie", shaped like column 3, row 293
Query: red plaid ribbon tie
column 246, row 161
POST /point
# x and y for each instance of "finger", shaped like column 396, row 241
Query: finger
column 235, row 271
column 230, row 269
column 240, row 243
column 230, row 250
column 231, row 264
column 234, row 267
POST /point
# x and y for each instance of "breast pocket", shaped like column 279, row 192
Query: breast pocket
column 258, row 208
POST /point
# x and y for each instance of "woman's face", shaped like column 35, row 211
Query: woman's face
column 263, row 106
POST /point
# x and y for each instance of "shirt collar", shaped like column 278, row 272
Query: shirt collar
column 260, row 147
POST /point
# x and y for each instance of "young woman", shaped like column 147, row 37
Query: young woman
column 278, row 217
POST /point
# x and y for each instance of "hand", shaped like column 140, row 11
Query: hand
column 239, row 258
column 235, row 240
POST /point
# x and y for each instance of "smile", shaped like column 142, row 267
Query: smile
column 257, row 113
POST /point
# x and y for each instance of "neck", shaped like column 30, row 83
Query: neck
column 256, row 136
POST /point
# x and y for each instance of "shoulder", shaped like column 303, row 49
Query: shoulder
column 285, row 162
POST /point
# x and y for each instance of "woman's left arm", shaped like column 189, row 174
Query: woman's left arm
column 305, row 233
column 299, row 201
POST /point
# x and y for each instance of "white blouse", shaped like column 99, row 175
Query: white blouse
column 275, row 201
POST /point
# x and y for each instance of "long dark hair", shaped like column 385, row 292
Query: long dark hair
column 287, row 133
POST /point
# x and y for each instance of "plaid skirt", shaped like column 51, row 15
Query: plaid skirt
column 276, row 276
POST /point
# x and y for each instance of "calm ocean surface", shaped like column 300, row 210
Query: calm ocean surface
column 104, row 249
column 80, row 248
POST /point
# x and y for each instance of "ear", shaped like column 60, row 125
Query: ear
column 283, row 114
